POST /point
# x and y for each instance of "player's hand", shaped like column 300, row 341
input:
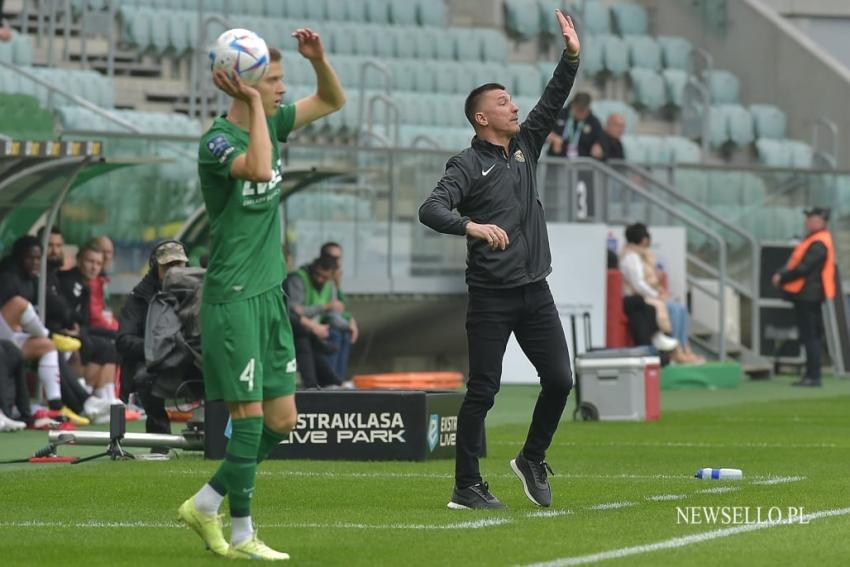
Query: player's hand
column 309, row 44
column 234, row 87
column 569, row 32
column 355, row 331
column 495, row 236
column 322, row 331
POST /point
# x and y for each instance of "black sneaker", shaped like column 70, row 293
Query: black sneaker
column 475, row 496
column 808, row 383
column 534, row 479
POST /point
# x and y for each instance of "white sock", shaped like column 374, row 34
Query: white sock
column 31, row 324
column 85, row 385
column 48, row 375
column 207, row 500
column 241, row 529
column 106, row 392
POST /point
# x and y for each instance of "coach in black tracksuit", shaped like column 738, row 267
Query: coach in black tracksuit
column 492, row 184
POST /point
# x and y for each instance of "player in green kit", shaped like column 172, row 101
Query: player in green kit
column 249, row 357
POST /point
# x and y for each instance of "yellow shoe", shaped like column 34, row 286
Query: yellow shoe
column 255, row 549
column 64, row 343
column 208, row 526
column 73, row 417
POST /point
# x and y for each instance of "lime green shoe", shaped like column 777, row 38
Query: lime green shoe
column 255, row 549
column 205, row 525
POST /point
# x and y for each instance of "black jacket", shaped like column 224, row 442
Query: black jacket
column 13, row 283
column 76, row 293
column 131, row 324
column 488, row 187
column 810, row 268
column 591, row 133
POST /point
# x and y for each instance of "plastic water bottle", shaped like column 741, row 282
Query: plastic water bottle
column 719, row 474
column 611, row 241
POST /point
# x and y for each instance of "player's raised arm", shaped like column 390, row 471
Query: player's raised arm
column 542, row 117
column 256, row 163
column 329, row 96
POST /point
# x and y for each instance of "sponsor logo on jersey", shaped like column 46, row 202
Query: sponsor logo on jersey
column 220, row 148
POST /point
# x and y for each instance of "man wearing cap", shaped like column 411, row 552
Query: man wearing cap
column 807, row 280
column 131, row 330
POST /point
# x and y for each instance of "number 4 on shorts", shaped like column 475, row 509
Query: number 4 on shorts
column 248, row 375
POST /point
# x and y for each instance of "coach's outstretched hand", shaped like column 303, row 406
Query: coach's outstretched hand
column 309, row 44
column 569, row 32
column 234, row 87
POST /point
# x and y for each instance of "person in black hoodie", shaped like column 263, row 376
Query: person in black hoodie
column 131, row 332
column 492, row 184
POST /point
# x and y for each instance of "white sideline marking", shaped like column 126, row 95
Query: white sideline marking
column 693, row 444
column 666, row 497
column 780, row 480
column 683, row 541
column 611, row 505
column 94, row 524
column 549, row 513
column 718, row 490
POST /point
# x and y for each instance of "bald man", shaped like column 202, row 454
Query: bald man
column 609, row 145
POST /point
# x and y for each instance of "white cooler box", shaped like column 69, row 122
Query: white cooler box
column 619, row 385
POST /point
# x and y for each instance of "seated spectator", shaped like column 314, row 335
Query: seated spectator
column 640, row 277
column 98, row 354
column 609, row 145
column 308, row 291
column 344, row 331
column 576, row 130
column 131, row 334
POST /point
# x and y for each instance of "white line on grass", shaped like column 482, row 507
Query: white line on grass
column 685, row 541
column 779, row 480
column 693, row 444
column 549, row 513
column 94, row 524
column 719, row 490
column 611, row 505
column 666, row 497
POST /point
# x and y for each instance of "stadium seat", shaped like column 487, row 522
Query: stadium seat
column 546, row 18
column 723, row 86
column 525, row 80
column 676, row 51
column 430, row 13
column 467, row 44
column 403, row 12
column 769, row 121
column 633, row 149
column 316, row 10
column 402, row 46
column 522, row 19
column 801, row 153
column 493, row 46
column 691, row 183
column 773, row 153
column 674, row 82
column 160, row 39
column 739, row 123
column 21, row 49
column 647, row 88
column 7, row 52
column 630, row 19
column 592, row 58
column 718, row 127
column 447, row 78
column 136, row 24
column 425, row 79
column 364, row 42
column 615, row 54
column 293, row 9
column 595, row 18
column 644, row 52
column 683, row 150
column 378, row 11
column 657, row 151
column 404, row 74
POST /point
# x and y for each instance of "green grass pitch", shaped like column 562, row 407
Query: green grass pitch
column 618, row 492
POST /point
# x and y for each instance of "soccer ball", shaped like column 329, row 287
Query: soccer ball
column 240, row 53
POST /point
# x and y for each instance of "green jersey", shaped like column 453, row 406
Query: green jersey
column 245, row 237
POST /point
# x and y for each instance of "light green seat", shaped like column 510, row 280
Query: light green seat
column 739, row 123
column 403, row 12
column 595, row 16
column 773, row 153
column 430, row 13
column 522, row 19
column 293, row 9
column 615, row 54
column 634, row 149
column 718, row 127
column 525, row 79
column 674, row 84
column 801, row 153
column 644, row 52
column 683, row 150
column 494, row 46
column 769, row 121
column 378, row 11
column 404, row 74
column 403, row 46
column 317, row 10
column 629, row 19
column 648, row 88
column 467, row 44
column 604, row 108
column 136, row 26
column 675, row 51
column 691, row 183
column 723, row 86
column 22, row 49
column 364, row 42
column 277, row 8
column 425, row 80
column 592, row 59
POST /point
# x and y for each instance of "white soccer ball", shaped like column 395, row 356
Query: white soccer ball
column 240, row 53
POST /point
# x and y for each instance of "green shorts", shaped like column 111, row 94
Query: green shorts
column 247, row 348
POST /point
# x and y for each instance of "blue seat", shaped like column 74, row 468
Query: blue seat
column 676, row 51
column 629, row 19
